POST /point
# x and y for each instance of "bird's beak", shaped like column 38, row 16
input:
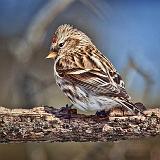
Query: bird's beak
column 52, row 55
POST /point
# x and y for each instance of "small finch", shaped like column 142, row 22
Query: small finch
column 85, row 75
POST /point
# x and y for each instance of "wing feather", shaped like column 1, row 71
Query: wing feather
column 94, row 82
column 95, row 73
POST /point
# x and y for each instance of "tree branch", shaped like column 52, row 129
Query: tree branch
column 51, row 125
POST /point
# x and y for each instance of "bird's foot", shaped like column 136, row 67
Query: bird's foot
column 101, row 116
column 101, row 113
column 67, row 112
column 69, row 106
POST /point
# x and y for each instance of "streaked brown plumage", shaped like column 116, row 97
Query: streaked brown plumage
column 84, row 74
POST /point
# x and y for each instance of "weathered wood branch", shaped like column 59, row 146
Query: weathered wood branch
column 51, row 125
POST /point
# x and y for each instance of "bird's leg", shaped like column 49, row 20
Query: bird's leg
column 69, row 106
column 66, row 108
column 102, row 113
column 67, row 111
column 70, row 110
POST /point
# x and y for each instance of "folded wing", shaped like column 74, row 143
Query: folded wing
column 94, row 81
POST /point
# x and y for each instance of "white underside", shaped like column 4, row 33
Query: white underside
column 95, row 103
column 87, row 100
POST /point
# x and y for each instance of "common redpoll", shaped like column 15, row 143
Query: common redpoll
column 84, row 74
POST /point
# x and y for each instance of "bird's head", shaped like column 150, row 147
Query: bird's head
column 66, row 40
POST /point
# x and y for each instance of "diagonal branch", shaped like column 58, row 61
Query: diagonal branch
column 51, row 125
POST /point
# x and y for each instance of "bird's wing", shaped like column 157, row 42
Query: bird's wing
column 93, row 71
column 94, row 82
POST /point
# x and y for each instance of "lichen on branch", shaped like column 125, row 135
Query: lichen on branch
column 48, row 124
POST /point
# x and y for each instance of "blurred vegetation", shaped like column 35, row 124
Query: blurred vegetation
column 26, row 79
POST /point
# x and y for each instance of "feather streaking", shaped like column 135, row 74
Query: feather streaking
column 84, row 74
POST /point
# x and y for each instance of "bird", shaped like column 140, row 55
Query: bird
column 85, row 75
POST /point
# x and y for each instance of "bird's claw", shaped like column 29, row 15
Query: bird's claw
column 67, row 111
column 101, row 113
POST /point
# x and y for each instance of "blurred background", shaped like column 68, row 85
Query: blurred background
column 128, row 32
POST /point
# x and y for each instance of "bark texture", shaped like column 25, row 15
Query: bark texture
column 55, row 125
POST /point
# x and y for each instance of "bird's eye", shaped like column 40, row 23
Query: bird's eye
column 61, row 45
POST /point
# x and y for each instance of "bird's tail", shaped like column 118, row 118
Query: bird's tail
column 134, row 108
